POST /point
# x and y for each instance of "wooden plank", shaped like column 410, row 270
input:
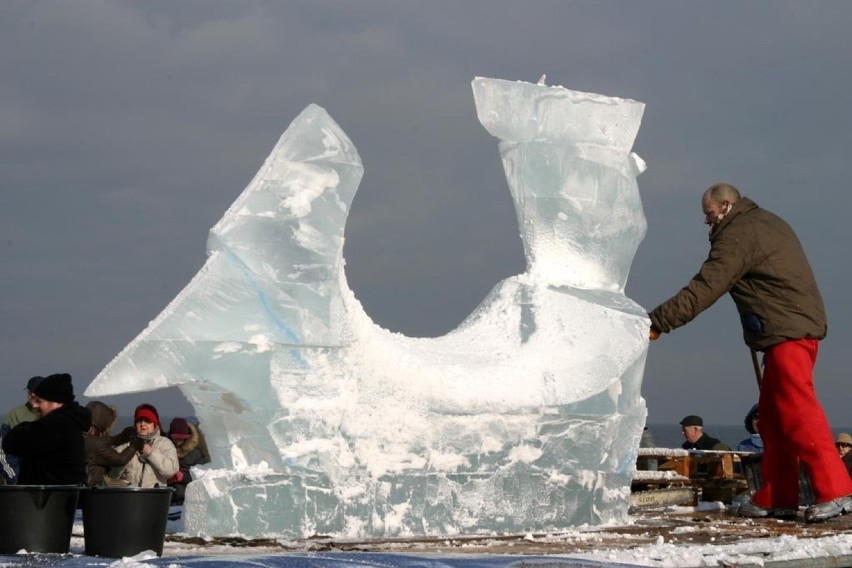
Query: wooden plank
column 662, row 497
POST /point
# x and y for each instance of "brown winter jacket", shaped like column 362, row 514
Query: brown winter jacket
column 100, row 450
column 757, row 258
column 101, row 456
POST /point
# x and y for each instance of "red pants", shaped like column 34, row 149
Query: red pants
column 794, row 430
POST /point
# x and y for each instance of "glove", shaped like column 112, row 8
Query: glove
column 176, row 478
column 137, row 443
column 653, row 333
column 126, row 436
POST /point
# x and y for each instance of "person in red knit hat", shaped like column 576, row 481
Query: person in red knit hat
column 157, row 461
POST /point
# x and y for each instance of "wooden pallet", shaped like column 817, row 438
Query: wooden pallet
column 711, row 475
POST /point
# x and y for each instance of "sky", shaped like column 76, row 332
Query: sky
column 128, row 128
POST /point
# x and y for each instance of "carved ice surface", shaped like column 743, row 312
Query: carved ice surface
column 527, row 417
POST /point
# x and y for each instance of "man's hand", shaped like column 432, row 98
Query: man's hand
column 653, row 334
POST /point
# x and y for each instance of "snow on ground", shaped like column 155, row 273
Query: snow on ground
column 755, row 552
column 681, row 537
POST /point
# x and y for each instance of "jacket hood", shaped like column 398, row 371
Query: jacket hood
column 103, row 416
column 190, row 444
column 748, row 418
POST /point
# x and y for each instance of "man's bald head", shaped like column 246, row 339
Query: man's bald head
column 722, row 192
column 717, row 202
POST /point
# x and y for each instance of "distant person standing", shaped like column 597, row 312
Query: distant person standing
column 51, row 447
column 756, row 257
column 101, row 455
column 696, row 438
column 843, row 443
column 24, row 412
column 10, row 465
column 647, row 441
column 157, row 461
column 187, row 440
column 754, row 443
column 202, row 442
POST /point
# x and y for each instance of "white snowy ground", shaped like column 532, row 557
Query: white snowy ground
column 761, row 551
column 748, row 552
column 602, row 547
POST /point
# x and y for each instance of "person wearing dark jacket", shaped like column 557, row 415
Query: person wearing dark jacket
column 187, row 440
column 101, row 454
column 51, row 447
column 756, row 258
column 696, row 438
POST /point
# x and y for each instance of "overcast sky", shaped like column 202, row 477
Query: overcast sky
column 127, row 129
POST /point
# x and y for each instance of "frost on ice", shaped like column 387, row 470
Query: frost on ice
column 527, row 417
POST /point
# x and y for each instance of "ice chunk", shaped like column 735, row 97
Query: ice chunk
column 566, row 156
column 526, row 417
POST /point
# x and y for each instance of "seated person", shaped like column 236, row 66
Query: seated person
column 157, row 461
column 187, row 440
column 753, row 443
column 696, row 439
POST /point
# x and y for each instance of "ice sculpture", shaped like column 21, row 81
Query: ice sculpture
column 527, row 417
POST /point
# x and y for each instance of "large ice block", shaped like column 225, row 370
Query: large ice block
column 526, row 417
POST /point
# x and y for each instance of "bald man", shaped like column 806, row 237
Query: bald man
column 756, row 258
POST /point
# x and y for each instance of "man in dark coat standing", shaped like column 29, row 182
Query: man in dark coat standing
column 51, row 448
column 756, row 258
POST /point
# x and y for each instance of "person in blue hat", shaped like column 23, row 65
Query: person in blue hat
column 754, row 443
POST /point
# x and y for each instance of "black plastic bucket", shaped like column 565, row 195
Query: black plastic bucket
column 37, row 518
column 124, row 521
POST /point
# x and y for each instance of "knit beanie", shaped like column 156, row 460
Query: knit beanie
column 148, row 412
column 179, row 428
column 55, row 388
